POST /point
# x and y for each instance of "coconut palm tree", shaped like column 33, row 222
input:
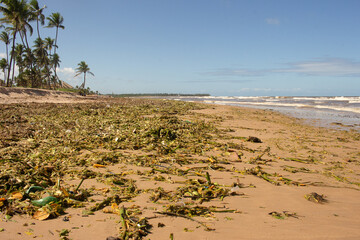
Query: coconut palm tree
column 4, row 37
column 49, row 44
column 37, row 13
column 83, row 68
column 10, row 17
column 26, row 17
column 19, row 54
column 42, row 58
column 32, row 69
column 3, row 66
column 16, row 14
column 55, row 62
column 55, row 20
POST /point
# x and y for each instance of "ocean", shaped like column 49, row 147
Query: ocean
column 332, row 112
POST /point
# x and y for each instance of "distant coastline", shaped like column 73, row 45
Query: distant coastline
column 159, row 95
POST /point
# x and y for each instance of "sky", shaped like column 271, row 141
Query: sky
column 220, row 47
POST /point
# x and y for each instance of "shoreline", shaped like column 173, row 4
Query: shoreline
column 321, row 117
column 162, row 150
column 314, row 117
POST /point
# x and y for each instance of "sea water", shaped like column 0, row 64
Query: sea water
column 333, row 112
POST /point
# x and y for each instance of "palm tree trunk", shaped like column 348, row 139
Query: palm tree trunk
column 11, row 58
column 57, row 30
column 7, row 53
column 84, row 80
column 13, row 73
column 7, row 61
column 37, row 25
column 56, row 77
column 48, row 77
column 4, row 70
column 1, row 84
column 56, row 36
column 26, row 41
column 29, row 49
column 22, row 39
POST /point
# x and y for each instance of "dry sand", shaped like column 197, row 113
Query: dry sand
column 334, row 173
column 32, row 95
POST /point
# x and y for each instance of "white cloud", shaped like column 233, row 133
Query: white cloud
column 327, row 67
column 324, row 67
column 272, row 21
column 2, row 55
column 66, row 70
column 67, row 74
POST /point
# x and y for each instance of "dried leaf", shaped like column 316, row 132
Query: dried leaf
column 41, row 214
column 17, row 195
column 109, row 210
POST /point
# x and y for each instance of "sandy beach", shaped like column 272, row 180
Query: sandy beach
column 171, row 170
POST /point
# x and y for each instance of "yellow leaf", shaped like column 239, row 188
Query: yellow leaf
column 98, row 166
column 16, row 195
column 108, row 210
column 65, row 192
column 41, row 215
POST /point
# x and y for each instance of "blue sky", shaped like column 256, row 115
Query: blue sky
column 221, row 47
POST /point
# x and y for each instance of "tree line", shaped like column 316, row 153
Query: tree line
column 37, row 62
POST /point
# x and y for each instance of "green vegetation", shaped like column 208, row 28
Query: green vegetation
column 163, row 152
column 71, row 141
column 37, row 63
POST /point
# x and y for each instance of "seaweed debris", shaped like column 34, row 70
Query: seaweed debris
column 315, row 197
column 51, row 154
column 283, row 215
column 45, row 147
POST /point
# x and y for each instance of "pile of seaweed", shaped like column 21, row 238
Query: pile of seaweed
column 43, row 145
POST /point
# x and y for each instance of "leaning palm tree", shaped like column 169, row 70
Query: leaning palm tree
column 83, row 68
column 55, row 20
